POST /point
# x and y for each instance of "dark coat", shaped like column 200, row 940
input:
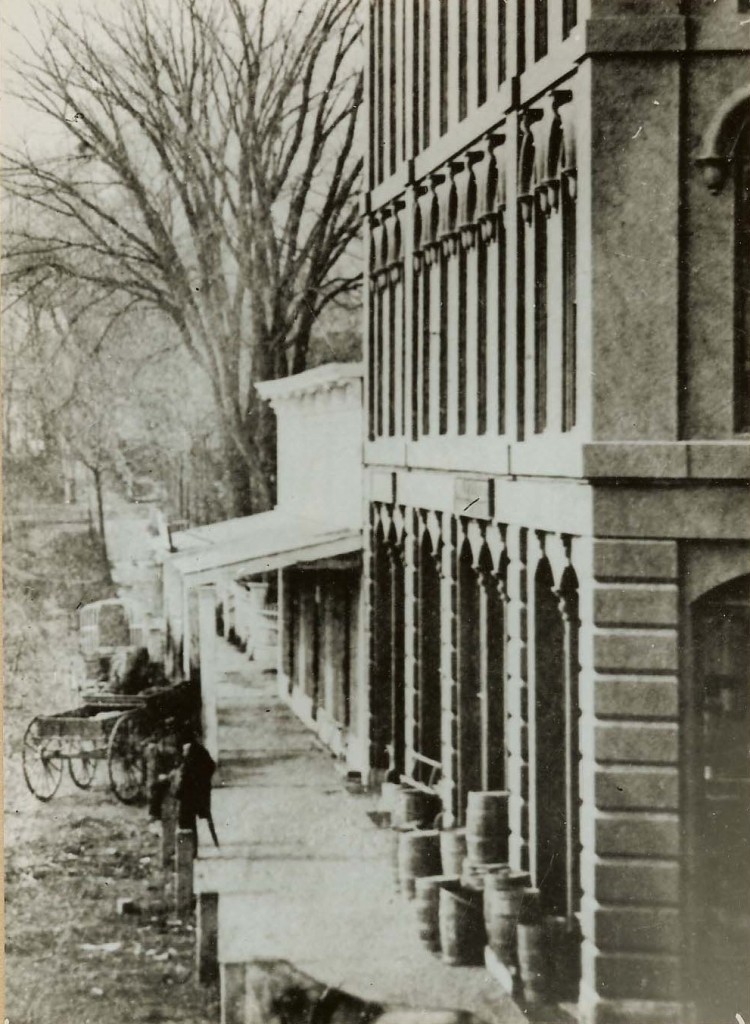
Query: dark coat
column 194, row 785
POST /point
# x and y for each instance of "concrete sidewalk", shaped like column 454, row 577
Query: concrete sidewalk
column 303, row 874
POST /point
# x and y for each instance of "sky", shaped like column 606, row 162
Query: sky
column 18, row 29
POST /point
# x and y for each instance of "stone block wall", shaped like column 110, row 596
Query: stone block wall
column 630, row 784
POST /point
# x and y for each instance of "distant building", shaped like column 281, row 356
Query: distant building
column 557, row 221
column 285, row 585
column 323, row 664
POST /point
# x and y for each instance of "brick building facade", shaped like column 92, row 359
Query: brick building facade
column 557, row 569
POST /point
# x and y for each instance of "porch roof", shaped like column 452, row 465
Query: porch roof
column 262, row 543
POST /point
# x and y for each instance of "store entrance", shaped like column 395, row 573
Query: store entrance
column 719, row 789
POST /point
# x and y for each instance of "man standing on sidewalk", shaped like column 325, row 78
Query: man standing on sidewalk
column 194, row 789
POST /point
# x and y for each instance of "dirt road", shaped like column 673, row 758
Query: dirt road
column 69, row 957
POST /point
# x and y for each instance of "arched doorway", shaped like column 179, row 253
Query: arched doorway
column 556, row 752
column 381, row 640
column 492, row 669
column 427, row 713
column 718, row 767
column 549, row 742
column 469, row 680
column 397, row 654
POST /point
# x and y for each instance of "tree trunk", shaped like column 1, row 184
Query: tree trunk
column 237, row 477
column 269, row 363
column 100, row 516
column 265, row 438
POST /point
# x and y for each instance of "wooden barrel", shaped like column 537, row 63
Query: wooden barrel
column 427, row 905
column 532, row 961
column 462, row 935
column 396, row 833
column 486, row 849
column 453, row 850
column 388, row 794
column 487, row 813
column 503, row 898
column 415, row 807
column 487, row 827
column 418, row 856
column 564, row 951
column 531, row 909
column 472, row 876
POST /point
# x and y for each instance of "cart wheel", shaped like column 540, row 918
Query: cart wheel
column 125, row 762
column 82, row 769
column 42, row 765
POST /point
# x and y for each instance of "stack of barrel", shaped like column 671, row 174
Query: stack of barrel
column 452, row 856
column 506, row 897
column 533, row 949
column 461, row 924
column 416, row 845
column 486, row 836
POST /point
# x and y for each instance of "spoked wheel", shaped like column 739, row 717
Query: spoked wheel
column 42, row 763
column 83, row 769
column 125, row 762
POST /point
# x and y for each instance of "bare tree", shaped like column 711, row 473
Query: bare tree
column 211, row 173
column 74, row 395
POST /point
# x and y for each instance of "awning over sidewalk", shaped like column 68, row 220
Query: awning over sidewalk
column 259, row 543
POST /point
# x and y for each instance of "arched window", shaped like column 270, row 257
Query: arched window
column 531, row 273
column 380, row 648
column 558, row 194
column 469, row 680
column 726, row 153
column 570, row 302
column 557, row 751
column 397, row 653
column 427, row 711
column 549, row 744
column 540, row 321
column 492, row 646
column 387, row 694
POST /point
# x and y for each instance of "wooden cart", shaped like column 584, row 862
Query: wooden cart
column 112, row 728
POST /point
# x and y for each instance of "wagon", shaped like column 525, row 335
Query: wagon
column 111, row 728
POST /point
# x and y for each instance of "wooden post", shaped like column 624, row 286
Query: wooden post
column 209, row 674
column 207, row 937
column 183, row 872
column 232, row 994
column 168, row 830
column 152, row 766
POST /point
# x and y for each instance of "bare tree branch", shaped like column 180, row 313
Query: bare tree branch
column 210, row 173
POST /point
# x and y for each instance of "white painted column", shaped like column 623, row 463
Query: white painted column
column 513, row 224
column 554, row 321
column 516, row 698
column 209, row 668
column 452, row 342
column 433, row 349
column 410, row 652
column 448, row 671
column 386, row 298
column 410, row 287
column 399, row 349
